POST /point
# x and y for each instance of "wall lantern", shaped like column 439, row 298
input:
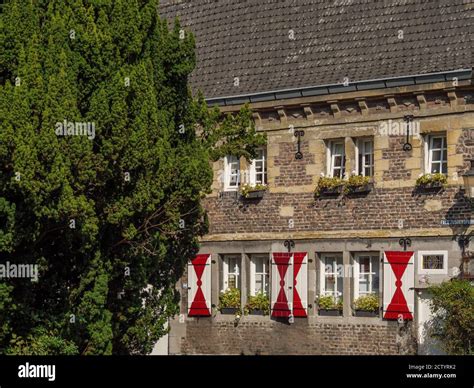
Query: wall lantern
column 468, row 178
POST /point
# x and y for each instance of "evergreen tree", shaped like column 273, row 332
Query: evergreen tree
column 112, row 216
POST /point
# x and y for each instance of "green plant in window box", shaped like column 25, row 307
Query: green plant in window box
column 367, row 303
column 327, row 305
column 229, row 301
column 357, row 184
column 428, row 181
column 253, row 191
column 327, row 185
column 258, row 304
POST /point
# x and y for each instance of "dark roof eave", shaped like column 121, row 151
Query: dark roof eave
column 460, row 74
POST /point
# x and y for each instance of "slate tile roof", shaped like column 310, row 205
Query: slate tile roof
column 333, row 39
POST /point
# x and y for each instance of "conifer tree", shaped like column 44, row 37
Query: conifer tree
column 111, row 216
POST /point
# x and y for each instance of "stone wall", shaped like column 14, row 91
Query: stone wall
column 380, row 209
column 252, row 336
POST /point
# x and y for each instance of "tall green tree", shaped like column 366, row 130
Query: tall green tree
column 111, row 217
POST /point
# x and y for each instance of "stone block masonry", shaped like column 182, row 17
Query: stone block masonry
column 261, row 337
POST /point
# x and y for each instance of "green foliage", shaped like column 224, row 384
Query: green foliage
column 129, row 190
column 258, row 302
column 354, row 182
column 327, row 302
column 428, row 179
column 246, row 189
column 452, row 306
column 367, row 303
column 230, row 298
column 327, row 183
column 41, row 343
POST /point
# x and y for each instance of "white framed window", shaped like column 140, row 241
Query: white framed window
column 259, row 274
column 231, row 272
column 231, row 173
column 258, row 168
column 331, row 276
column 433, row 262
column 366, row 274
column 336, row 159
column 436, row 154
column 365, row 157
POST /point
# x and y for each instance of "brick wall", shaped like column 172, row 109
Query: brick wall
column 380, row 209
column 207, row 336
column 292, row 171
column 397, row 158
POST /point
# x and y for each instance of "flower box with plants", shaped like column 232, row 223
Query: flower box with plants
column 327, row 306
column 253, row 191
column 430, row 182
column 327, row 187
column 358, row 184
column 367, row 306
column 258, row 305
column 229, row 301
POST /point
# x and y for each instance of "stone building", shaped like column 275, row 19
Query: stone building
column 377, row 89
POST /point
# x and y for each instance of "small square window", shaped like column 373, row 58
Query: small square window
column 433, row 262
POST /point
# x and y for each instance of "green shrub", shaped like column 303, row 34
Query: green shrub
column 230, row 299
column 258, row 302
column 452, row 307
column 367, row 303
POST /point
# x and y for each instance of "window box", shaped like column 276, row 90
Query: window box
column 258, row 304
column 333, row 191
column 229, row 310
column 365, row 313
column 328, row 187
column 330, row 312
column 257, row 312
column 431, row 182
column 253, row 192
column 229, row 301
column 364, row 189
column 358, row 184
column 329, row 306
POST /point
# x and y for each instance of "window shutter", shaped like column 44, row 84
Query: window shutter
column 398, row 283
column 199, row 286
column 300, row 290
column 282, row 285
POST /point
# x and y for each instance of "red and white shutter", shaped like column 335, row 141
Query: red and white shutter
column 398, row 283
column 282, row 285
column 199, row 286
column 300, row 284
